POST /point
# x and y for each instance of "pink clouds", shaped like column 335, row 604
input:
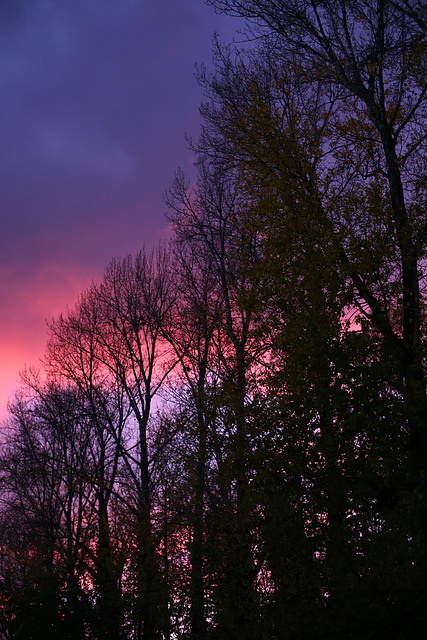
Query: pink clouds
column 31, row 299
column 96, row 100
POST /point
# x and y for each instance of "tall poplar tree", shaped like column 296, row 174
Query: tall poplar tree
column 325, row 120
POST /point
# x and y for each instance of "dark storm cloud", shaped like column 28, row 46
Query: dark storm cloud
column 94, row 110
column 95, row 99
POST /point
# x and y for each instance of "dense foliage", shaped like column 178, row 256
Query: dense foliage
column 228, row 437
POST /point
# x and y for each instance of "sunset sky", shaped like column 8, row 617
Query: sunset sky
column 96, row 99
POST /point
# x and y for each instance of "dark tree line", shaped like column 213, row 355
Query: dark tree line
column 228, row 436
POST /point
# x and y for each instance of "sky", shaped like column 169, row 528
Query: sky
column 96, row 98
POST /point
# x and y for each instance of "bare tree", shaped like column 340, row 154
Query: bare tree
column 73, row 357
column 134, row 302
column 224, row 309
column 47, row 493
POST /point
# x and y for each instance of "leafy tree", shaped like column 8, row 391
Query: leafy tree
column 325, row 122
column 367, row 59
